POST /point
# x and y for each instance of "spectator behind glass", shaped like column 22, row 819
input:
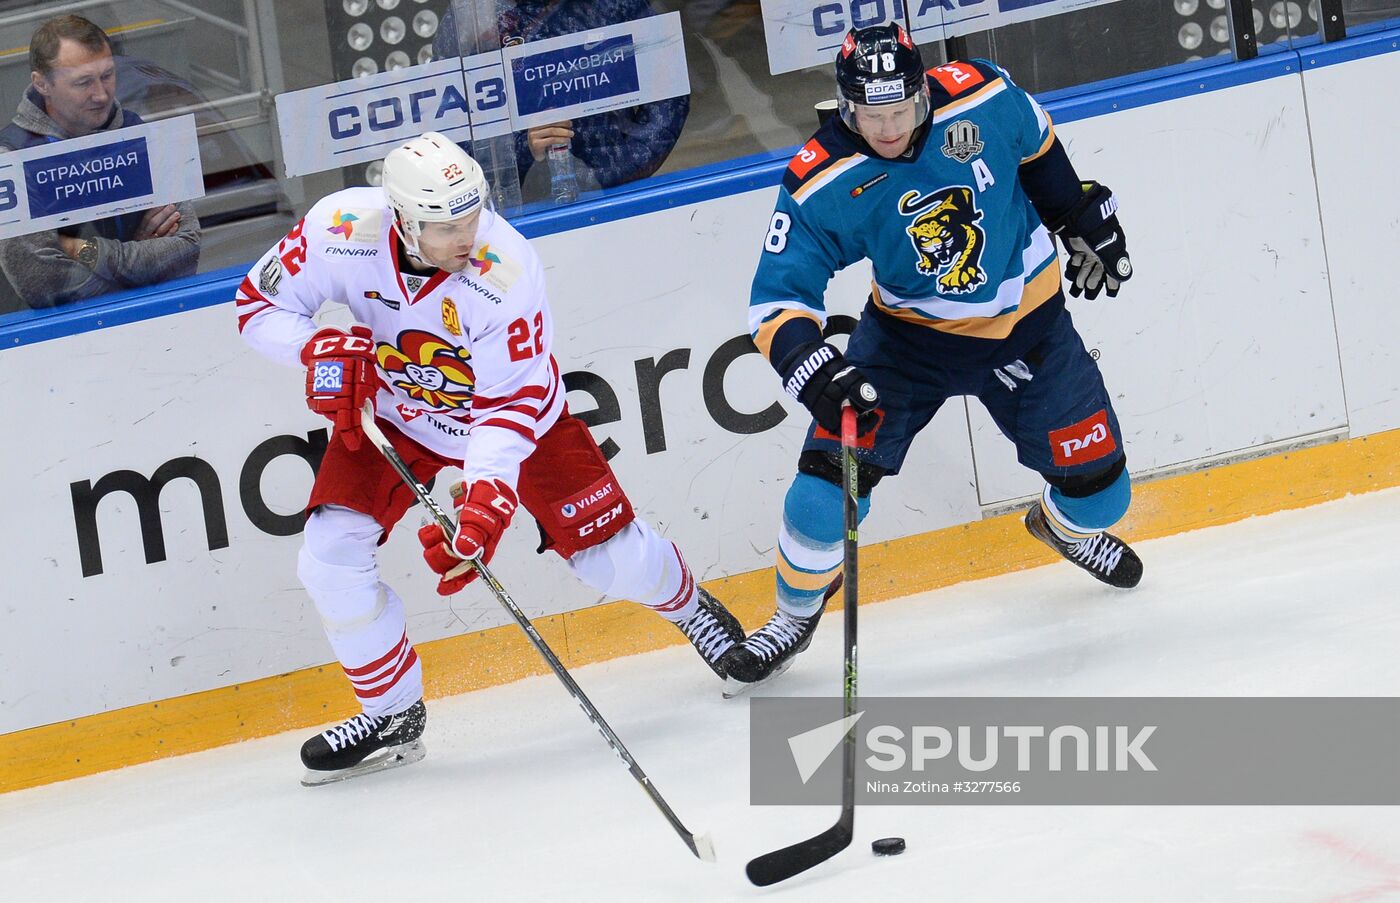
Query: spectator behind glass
column 72, row 94
column 609, row 148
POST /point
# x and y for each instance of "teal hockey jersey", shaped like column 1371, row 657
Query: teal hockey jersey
column 959, row 253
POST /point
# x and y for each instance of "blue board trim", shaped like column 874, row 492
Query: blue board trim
column 1357, row 47
column 132, row 306
column 720, row 180
column 1113, row 98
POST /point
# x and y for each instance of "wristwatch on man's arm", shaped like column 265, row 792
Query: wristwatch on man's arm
column 87, row 254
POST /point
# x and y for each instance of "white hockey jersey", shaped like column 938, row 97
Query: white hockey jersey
column 464, row 358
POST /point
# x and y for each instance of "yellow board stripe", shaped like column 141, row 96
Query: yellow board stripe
column 985, row 548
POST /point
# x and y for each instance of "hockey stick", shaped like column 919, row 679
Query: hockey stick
column 700, row 844
column 779, row 865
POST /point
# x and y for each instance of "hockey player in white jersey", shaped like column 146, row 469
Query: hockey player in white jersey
column 454, row 347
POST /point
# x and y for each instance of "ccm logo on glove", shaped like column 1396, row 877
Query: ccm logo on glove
column 332, row 341
column 484, row 511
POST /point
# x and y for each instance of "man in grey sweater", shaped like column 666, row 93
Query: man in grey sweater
column 72, row 94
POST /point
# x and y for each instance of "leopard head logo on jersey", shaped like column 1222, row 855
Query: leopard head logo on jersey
column 946, row 237
column 428, row 369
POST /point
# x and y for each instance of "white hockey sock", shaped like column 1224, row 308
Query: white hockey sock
column 363, row 618
column 638, row 564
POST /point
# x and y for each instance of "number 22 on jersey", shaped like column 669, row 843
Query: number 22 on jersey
column 525, row 342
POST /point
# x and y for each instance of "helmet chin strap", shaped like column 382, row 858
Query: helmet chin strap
column 410, row 242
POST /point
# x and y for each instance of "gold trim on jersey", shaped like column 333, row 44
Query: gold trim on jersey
column 1045, row 145
column 764, row 337
column 963, row 104
column 1042, row 287
column 825, row 177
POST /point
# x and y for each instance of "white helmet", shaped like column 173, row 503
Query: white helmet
column 429, row 179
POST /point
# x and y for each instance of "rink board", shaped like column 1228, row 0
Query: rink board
column 499, row 655
column 1252, row 322
column 1357, row 182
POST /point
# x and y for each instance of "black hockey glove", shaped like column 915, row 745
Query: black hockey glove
column 1098, row 252
column 817, row 375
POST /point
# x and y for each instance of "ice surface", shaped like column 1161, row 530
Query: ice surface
column 520, row 799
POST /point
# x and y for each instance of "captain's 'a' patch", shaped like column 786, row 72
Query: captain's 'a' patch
column 962, row 141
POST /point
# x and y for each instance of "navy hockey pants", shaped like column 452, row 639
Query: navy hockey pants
column 1051, row 402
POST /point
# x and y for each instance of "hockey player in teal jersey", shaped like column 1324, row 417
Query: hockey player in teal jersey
column 953, row 184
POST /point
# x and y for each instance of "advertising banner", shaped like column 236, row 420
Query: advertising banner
column 483, row 96
column 91, row 178
column 805, row 33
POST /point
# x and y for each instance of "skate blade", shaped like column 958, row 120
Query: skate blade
column 392, row 757
column 733, row 688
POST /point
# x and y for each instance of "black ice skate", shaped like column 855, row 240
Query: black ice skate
column 363, row 745
column 712, row 630
column 770, row 649
column 1104, row 555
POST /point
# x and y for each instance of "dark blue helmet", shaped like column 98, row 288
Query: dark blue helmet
column 880, row 65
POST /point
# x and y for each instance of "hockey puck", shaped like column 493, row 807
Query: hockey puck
column 888, row 846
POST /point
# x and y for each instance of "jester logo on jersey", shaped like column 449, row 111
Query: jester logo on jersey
column 429, row 369
column 946, row 237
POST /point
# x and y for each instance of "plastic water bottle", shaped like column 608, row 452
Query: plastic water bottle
column 563, row 182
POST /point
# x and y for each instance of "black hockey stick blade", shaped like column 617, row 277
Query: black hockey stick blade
column 780, row 865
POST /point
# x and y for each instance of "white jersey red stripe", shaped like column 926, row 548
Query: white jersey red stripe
column 464, row 357
column 543, row 397
column 250, row 302
column 521, row 413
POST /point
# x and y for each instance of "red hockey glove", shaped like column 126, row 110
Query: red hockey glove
column 340, row 376
column 483, row 513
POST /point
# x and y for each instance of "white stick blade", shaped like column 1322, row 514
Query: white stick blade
column 704, row 847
